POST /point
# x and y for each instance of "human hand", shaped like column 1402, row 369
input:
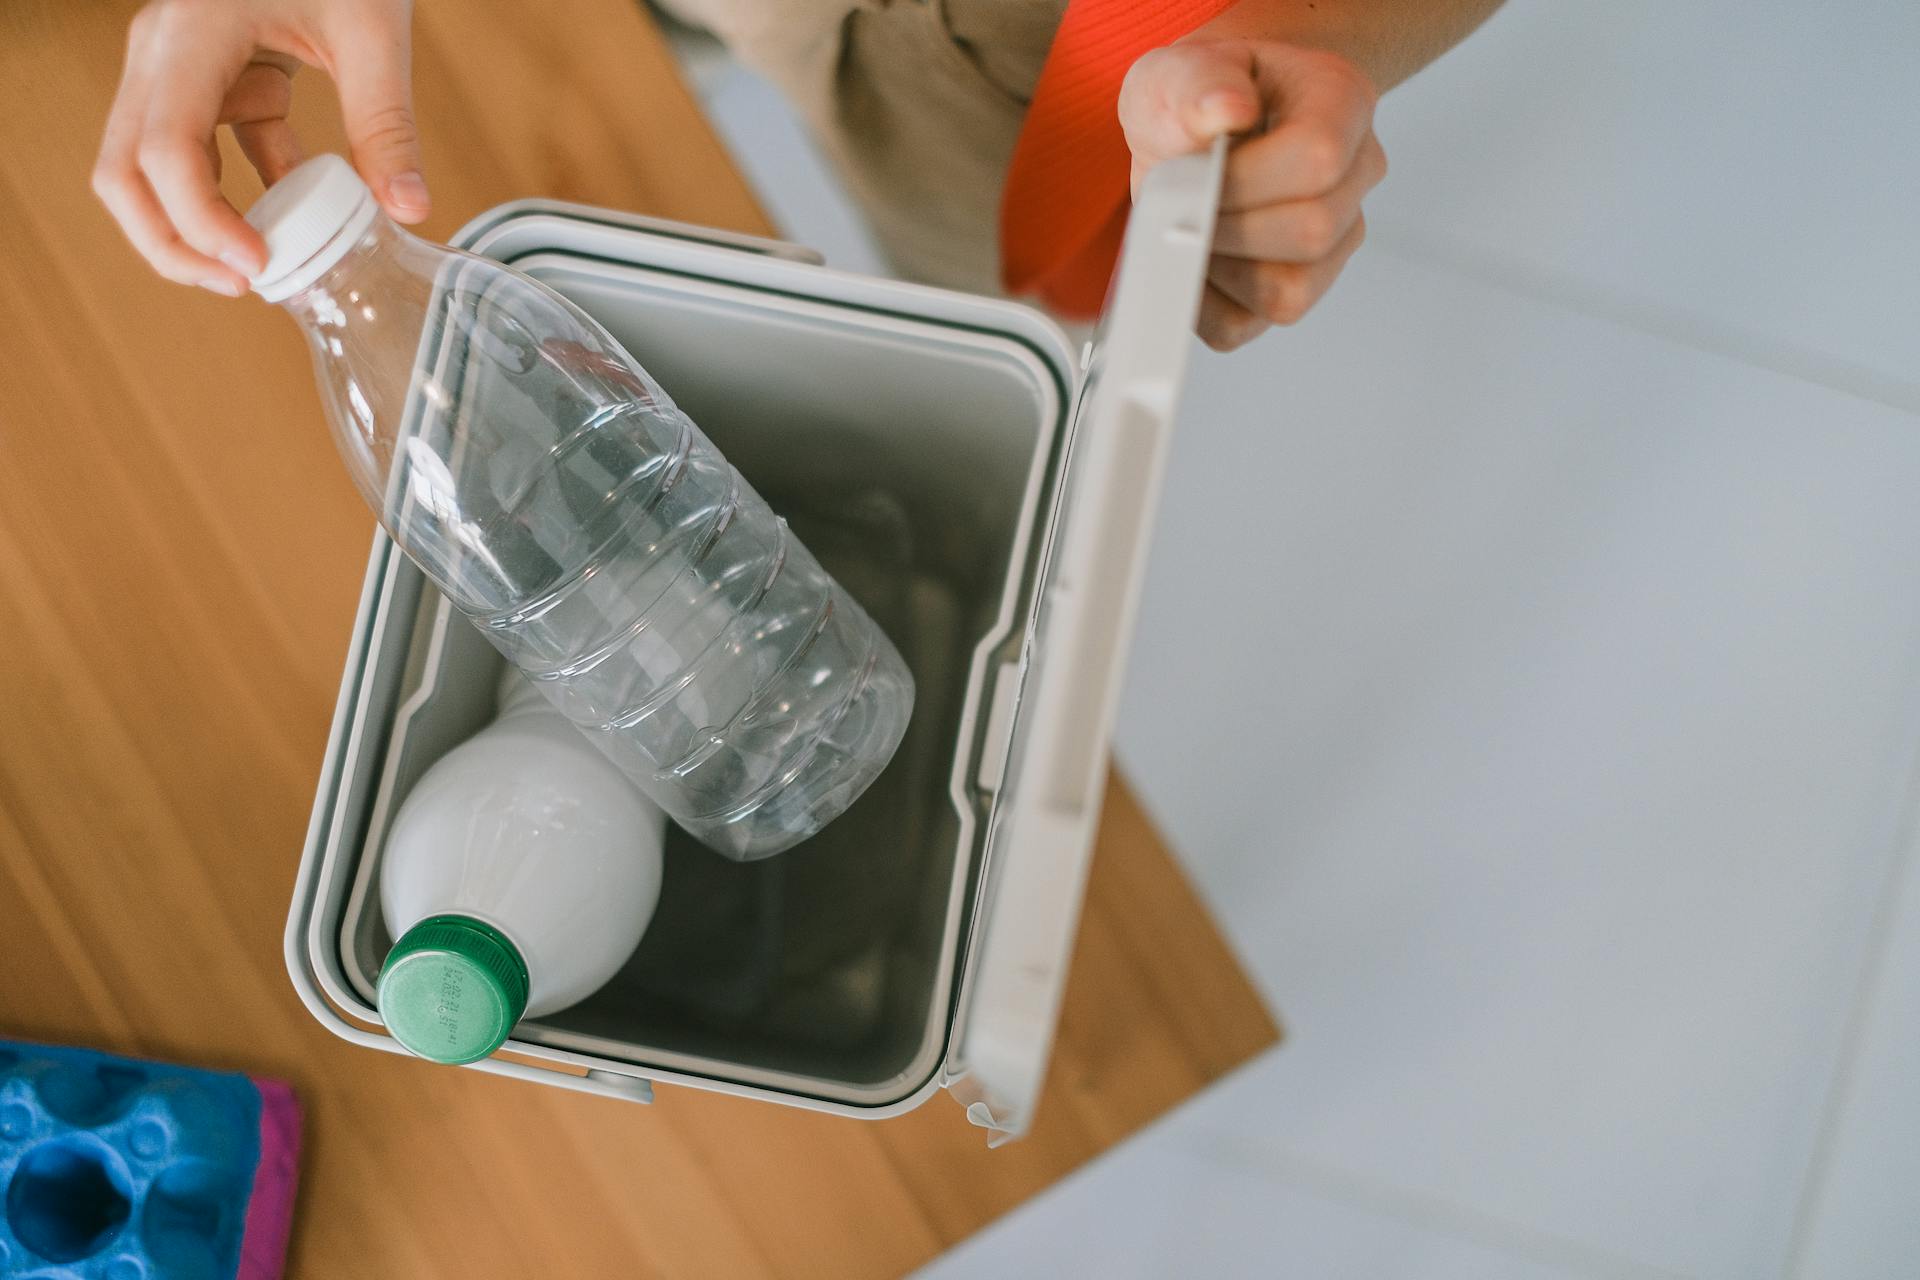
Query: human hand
column 193, row 65
column 1290, row 205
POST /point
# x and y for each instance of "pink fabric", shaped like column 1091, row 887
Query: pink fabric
column 263, row 1245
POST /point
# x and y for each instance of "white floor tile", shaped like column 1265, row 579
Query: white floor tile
column 1538, row 703
column 1160, row 1209
column 1752, row 166
column 1863, row 1217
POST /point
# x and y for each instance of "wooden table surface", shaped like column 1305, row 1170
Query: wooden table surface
column 180, row 555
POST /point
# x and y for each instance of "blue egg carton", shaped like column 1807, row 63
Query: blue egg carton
column 115, row 1169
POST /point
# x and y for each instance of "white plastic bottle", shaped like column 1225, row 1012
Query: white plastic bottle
column 554, row 493
column 518, row 877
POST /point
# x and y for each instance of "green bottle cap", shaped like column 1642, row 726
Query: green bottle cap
column 452, row 988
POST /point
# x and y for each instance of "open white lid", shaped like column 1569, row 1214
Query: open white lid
column 1074, row 660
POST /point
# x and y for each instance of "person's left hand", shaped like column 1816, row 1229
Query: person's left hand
column 1290, row 206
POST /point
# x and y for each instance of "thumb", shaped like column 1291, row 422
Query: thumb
column 1180, row 98
column 373, row 67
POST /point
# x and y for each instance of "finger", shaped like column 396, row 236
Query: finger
column 271, row 147
column 123, row 189
column 1283, row 292
column 1302, row 230
column 139, row 214
column 374, row 70
column 1224, row 324
column 1322, row 109
column 197, row 63
column 256, row 108
column 1180, row 98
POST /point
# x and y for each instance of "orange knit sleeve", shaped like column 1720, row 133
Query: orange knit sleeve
column 1065, row 206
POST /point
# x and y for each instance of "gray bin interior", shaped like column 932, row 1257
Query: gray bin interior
column 918, row 460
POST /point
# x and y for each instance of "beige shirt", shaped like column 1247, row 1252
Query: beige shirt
column 916, row 102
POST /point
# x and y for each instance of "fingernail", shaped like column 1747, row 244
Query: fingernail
column 243, row 263
column 409, row 191
column 1223, row 108
column 225, row 288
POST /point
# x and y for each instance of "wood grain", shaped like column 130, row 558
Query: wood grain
column 180, row 555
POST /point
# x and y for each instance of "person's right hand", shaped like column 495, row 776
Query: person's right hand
column 193, row 65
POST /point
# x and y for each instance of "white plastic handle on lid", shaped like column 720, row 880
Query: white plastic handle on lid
column 1126, row 421
column 1056, row 775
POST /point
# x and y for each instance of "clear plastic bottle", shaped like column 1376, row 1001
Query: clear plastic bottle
column 555, row 494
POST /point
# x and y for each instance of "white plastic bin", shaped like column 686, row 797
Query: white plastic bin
column 989, row 503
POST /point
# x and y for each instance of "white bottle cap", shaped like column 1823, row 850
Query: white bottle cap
column 310, row 218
